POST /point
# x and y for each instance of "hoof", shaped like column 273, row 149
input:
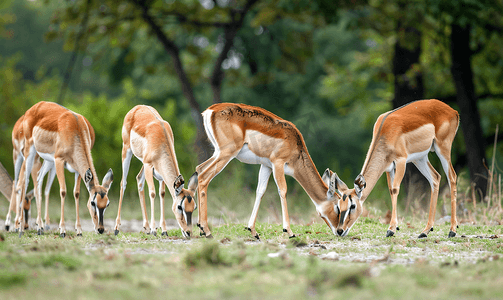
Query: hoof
column 431, row 229
column 101, row 230
column 116, row 231
column 7, row 227
column 187, row 232
column 79, row 234
column 248, row 228
column 291, row 237
column 40, row 232
column 164, row 233
column 62, row 235
column 257, row 237
column 389, row 233
column 422, row 235
column 284, row 230
column 452, row 234
column 209, row 236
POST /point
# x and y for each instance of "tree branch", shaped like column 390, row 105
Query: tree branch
column 230, row 32
column 73, row 58
column 173, row 50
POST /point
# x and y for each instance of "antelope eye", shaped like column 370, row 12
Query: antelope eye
column 352, row 206
column 93, row 204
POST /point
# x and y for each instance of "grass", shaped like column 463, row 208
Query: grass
column 233, row 265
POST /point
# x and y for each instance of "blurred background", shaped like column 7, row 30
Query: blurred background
column 330, row 67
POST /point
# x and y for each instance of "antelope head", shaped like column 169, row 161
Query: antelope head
column 349, row 206
column 186, row 203
column 98, row 197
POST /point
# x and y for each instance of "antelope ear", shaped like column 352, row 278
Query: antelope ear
column 360, row 185
column 326, row 176
column 179, row 184
column 336, row 186
column 88, row 179
column 192, row 186
column 108, row 179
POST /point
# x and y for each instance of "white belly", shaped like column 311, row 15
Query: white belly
column 46, row 156
column 248, row 157
column 417, row 156
column 50, row 158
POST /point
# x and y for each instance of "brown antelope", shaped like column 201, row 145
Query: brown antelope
column 17, row 153
column 64, row 140
column 256, row 136
column 146, row 135
column 404, row 135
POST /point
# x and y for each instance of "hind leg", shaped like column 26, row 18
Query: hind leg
column 433, row 177
column 263, row 179
column 444, row 154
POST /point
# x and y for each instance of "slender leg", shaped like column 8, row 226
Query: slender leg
column 126, row 161
column 149, row 176
column 76, row 195
column 162, row 221
column 263, row 179
column 18, row 163
column 140, row 178
column 444, row 153
column 60, row 173
column 30, row 154
column 46, row 167
column 433, row 178
column 19, row 196
column 37, row 165
column 395, row 189
column 389, row 179
column 206, row 173
column 279, row 177
column 48, row 185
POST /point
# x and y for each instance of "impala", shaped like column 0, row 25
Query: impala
column 256, row 136
column 17, row 154
column 64, row 140
column 404, row 135
column 146, row 135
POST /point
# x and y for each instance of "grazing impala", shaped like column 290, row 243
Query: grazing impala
column 146, row 135
column 256, row 136
column 17, row 153
column 64, row 140
column 404, row 135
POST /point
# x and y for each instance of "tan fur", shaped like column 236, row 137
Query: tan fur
column 268, row 137
column 150, row 139
column 397, row 134
column 53, row 129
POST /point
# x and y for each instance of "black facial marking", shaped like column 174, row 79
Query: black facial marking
column 344, row 197
column 189, row 198
column 341, row 218
column 189, row 218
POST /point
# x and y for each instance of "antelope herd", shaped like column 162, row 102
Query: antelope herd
column 64, row 139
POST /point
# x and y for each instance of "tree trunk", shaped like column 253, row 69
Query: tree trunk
column 462, row 75
column 203, row 146
column 409, row 87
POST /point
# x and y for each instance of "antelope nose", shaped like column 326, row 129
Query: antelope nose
column 340, row 232
column 100, row 230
